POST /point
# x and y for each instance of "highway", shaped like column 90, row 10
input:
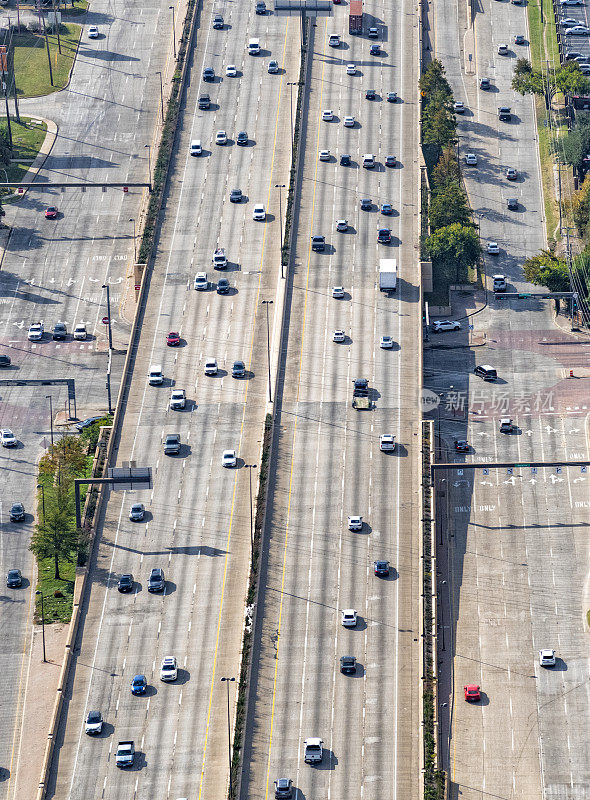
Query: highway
column 54, row 270
column 513, row 548
column 197, row 525
column 328, row 464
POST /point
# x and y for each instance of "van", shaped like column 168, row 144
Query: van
column 196, row 148
column 254, row 47
column 155, row 375
column 486, row 372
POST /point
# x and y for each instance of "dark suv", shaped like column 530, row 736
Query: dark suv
column 125, row 583
column 156, row 580
column 218, row 22
column 14, row 579
column 60, row 331
column 17, row 512
column 209, row 74
column 204, row 100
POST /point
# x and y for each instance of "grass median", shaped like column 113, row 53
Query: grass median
column 31, row 63
column 27, row 139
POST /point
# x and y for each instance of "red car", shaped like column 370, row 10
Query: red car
column 472, row 694
column 51, row 212
column 336, row 2
column 173, row 339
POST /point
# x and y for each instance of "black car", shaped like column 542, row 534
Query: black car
column 390, row 161
column 519, row 39
column 17, row 512
column 375, row 50
column 60, row 331
column 4, row 360
column 392, row 97
column 242, row 138
column 345, row 160
column 125, row 583
column 204, row 100
column 156, row 580
column 384, row 235
column 373, row 33
column 209, row 74
column 512, row 203
column 260, row 7
column 318, row 243
column 222, row 286
column 381, row 568
column 238, row 370
column 370, row 94
column 461, row 445
column 366, row 204
column 283, row 788
column 14, row 579
column 347, row 664
column 218, row 22
column 235, row 196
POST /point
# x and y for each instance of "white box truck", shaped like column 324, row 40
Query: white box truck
column 388, row 274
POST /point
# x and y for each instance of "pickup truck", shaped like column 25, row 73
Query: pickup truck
column 360, row 394
column 172, row 444
column 313, row 752
column 125, row 754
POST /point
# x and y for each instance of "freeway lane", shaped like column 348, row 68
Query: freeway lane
column 328, row 461
column 197, row 527
column 54, row 270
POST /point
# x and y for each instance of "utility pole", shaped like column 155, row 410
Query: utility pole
column 568, row 258
column 280, row 187
column 56, row 23
column 267, row 303
column 47, row 46
column 4, row 64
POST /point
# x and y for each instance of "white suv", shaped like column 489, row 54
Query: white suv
column 169, row 669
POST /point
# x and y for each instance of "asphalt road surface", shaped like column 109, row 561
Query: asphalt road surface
column 197, row 526
column 512, row 547
column 328, row 462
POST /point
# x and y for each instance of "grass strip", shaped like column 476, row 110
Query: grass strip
column 27, row 140
column 31, row 65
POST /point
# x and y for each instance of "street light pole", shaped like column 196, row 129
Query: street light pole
column 40, row 486
column 280, row 187
column 227, row 682
column 291, row 84
column 42, row 624
column 173, row 31
column 149, row 149
column 161, row 95
column 106, row 286
column 268, row 303
column 48, row 397
column 132, row 219
column 250, row 467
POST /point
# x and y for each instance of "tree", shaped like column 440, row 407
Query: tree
column 546, row 269
column 454, row 247
column 56, row 537
column 566, row 79
column 449, row 205
column 433, row 80
column 439, row 125
column 446, row 170
column 5, row 149
column 581, row 208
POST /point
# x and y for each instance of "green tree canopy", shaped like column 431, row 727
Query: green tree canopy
column 446, row 170
column 433, row 80
column 454, row 248
column 567, row 78
column 439, row 125
column 56, row 537
column 546, row 269
column 449, row 205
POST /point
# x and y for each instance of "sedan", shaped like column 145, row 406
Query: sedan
column 242, row 138
column 569, row 22
column 137, row 512
column 384, row 235
column 349, row 618
column 511, row 174
column 351, row 69
column 370, row 94
column 93, row 32
column 472, row 693
column 484, row 83
column 386, row 343
column 327, row 115
column 14, row 579
column 238, row 369
column 236, row 196
column 324, row 155
column 571, row 2
column 338, row 292
column 345, row 160
column 168, row 669
column 209, row 74
column 339, row 336
column 93, row 724
column 222, row 286
column 579, row 30
column 138, row 684
column 366, row 204
column 349, row 122
column 547, row 658
column 471, row 159
column 502, row 49
column 342, row 225
column 273, row 67
column 348, row 665
column 284, row 786
column 459, row 107
column 60, row 331
column 392, row 97
column 512, row 204
column 221, row 137
column 387, row 209
column 355, row 523
column 492, row 248
column 461, row 445
column 201, row 282
column 373, row 33
column 80, row 332
column 231, row 71
column 375, row 50
column 229, row 458
column 387, row 442
column 390, row 161
column 7, row 438
column 51, row 212
column 519, row 39
column 259, row 213
column 173, row 339
column 446, row 325
column 17, row 512
column 125, row 583
column 381, row 568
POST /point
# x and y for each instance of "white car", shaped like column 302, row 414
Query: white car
column 80, row 332
column 177, row 399
column 169, row 669
column 229, row 458
column 93, row 32
column 259, row 213
column 35, row 332
column 471, row 159
column 349, row 618
column 211, row 366
column 459, row 107
column 351, row 69
column 355, row 523
column 342, row 225
column 93, row 724
column 502, row 49
column 201, row 281
column 578, row 30
column 446, row 325
column 349, row 122
column 231, row 71
column 334, row 40
column 7, row 438
column 327, row 115
column 571, row 2
column 547, row 657
column 196, row 149
column 221, row 137
column 338, row 292
column 387, row 442
column 386, row 343
column 493, row 248
column 339, row 336
column 137, row 512
column 325, row 155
